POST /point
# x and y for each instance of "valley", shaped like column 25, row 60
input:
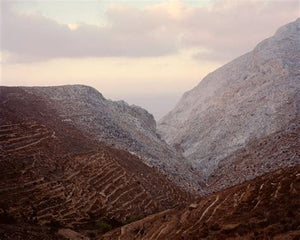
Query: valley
column 223, row 164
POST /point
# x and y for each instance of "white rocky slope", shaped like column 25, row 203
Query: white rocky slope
column 249, row 98
column 116, row 124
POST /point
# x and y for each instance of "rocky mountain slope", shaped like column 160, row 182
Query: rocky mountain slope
column 51, row 174
column 118, row 125
column 250, row 98
column 264, row 208
column 278, row 150
column 74, row 165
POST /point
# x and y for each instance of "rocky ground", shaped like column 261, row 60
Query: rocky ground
column 264, row 208
column 117, row 124
column 53, row 175
column 278, row 150
column 250, row 98
column 74, row 165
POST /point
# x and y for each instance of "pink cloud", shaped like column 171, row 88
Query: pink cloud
column 226, row 28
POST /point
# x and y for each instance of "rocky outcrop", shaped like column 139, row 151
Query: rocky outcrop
column 250, row 98
column 277, row 150
column 118, row 125
column 264, row 208
column 51, row 174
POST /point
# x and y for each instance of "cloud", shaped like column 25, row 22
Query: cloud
column 225, row 29
column 37, row 37
column 230, row 28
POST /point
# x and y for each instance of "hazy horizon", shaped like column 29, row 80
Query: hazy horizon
column 147, row 53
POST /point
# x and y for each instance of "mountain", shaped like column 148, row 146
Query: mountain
column 55, row 175
column 116, row 124
column 74, row 165
column 264, row 208
column 253, row 97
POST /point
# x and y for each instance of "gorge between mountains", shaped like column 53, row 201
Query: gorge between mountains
column 223, row 164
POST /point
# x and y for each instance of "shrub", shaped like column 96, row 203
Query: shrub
column 103, row 226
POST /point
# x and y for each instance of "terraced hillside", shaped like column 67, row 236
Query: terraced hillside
column 267, row 207
column 53, row 175
column 119, row 125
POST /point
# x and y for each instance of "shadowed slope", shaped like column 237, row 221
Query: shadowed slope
column 52, row 174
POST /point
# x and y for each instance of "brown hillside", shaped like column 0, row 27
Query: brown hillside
column 51, row 174
column 264, row 208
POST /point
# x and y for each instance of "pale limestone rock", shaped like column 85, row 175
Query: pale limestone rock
column 249, row 98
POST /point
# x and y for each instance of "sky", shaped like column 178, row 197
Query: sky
column 146, row 52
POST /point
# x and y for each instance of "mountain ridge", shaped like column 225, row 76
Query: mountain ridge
column 119, row 125
column 248, row 98
column 56, row 176
column 75, row 165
